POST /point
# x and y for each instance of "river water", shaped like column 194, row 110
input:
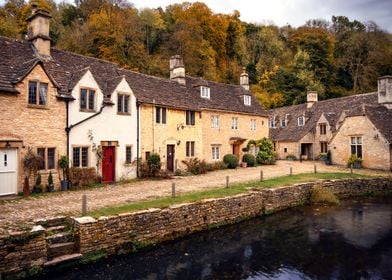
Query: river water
column 349, row 241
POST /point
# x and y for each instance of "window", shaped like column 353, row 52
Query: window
column 272, row 123
column 147, row 155
column 323, row 147
column 234, row 123
column 301, row 121
column 190, row 148
column 283, row 122
column 80, row 156
column 215, row 121
column 253, row 125
column 123, row 104
column 87, row 99
column 47, row 158
column 38, row 93
column 128, row 154
column 356, row 146
column 190, row 117
column 160, row 115
column 205, row 92
column 247, row 100
column 285, row 150
column 215, row 152
column 323, row 129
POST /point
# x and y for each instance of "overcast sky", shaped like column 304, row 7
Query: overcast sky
column 293, row 12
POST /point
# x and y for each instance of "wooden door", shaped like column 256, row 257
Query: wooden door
column 8, row 171
column 170, row 157
column 236, row 150
column 108, row 164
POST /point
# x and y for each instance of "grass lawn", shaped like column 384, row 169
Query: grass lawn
column 220, row 192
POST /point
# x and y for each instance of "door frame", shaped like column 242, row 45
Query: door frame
column 16, row 173
column 173, row 157
column 114, row 163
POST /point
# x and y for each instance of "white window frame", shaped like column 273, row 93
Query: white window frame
column 272, row 122
column 247, row 100
column 253, row 125
column 205, row 92
column 234, row 123
column 215, row 151
column 301, row 120
column 215, row 121
column 283, row 122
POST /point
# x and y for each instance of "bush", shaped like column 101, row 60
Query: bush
column 249, row 159
column 291, row 157
column 82, row 176
column 154, row 164
column 266, row 158
column 219, row 165
column 231, row 161
column 355, row 161
column 195, row 166
column 322, row 195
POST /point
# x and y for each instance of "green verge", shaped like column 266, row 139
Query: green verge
column 220, row 192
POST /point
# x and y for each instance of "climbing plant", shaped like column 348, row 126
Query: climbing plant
column 96, row 149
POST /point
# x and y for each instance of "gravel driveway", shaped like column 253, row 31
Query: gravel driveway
column 19, row 211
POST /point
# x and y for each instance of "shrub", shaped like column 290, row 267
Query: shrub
column 82, row 176
column 266, row 158
column 291, row 157
column 249, row 159
column 231, row 161
column 354, row 160
column 195, row 166
column 218, row 165
column 322, row 195
column 154, row 164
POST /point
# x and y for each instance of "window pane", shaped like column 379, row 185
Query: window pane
column 353, row 150
column 353, row 140
column 128, row 154
column 359, row 140
column 91, row 100
column 84, row 157
column 51, row 158
column 43, row 92
column 126, row 104
column 187, row 121
column 32, row 93
column 187, row 149
column 41, row 154
column 192, row 148
column 76, row 157
column 164, row 115
column 119, row 103
column 83, row 99
column 359, row 151
column 158, row 114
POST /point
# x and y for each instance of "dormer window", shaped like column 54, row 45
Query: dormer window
column 87, row 100
column 301, row 121
column 38, row 93
column 205, row 92
column 283, row 122
column 123, row 104
column 272, row 122
column 247, row 100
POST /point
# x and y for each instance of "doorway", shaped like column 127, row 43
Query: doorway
column 170, row 151
column 307, row 151
column 8, row 171
column 236, row 150
column 108, row 164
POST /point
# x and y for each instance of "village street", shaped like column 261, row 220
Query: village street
column 20, row 210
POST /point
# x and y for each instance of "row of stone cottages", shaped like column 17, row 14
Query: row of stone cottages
column 59, row 103
column 359, row 124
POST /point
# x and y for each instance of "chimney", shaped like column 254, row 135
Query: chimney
column 311, row 98
column 38, row 30
column 244, row 79
column 385, row 91
column 177, row 69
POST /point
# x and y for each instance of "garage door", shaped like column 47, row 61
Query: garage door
column 8, row 166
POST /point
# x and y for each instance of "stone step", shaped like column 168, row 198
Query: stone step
column 59, row 249
column 52, row 222
column 55, row 229
column 62, row 237
column 63, row 258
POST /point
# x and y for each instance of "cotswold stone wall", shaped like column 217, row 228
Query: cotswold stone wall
column 125, row 232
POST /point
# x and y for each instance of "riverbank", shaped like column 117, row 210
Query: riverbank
column 127, row 232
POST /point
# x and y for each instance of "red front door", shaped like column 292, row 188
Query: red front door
column 108, row 164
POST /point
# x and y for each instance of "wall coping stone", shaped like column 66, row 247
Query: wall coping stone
column 85, row 220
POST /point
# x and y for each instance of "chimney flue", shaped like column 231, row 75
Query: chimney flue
column 177, row 69
column 311, row 98
column 244, row 79
column 38, row 30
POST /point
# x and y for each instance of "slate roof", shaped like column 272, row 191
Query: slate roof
column 381, row 117
column 331, row 108
column 65, row 69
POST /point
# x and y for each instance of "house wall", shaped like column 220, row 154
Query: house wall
column 375, row 149
column 221, row 136
column 156, row 136
column 107, row 126
column 36, row 127
column 292, row 149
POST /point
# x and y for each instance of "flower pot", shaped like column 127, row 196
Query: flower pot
column 328, row 162
column 244, row 164
column 49, row 188
column 37, row 189
column 64, row 185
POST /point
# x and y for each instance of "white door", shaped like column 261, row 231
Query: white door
column 8, row 166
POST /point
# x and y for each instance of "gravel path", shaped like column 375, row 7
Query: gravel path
column 20, row 210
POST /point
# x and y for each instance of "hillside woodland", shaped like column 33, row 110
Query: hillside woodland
column 335, row 58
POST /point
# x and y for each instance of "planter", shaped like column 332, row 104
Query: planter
column 244, row 164
column 49, row 188
column 357, row 165
column 37, row 189
column 64, row 185
column 328, row 162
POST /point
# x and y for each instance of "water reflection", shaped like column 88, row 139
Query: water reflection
column 351, row 241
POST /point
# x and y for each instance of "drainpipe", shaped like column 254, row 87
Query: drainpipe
column 67, row 129
column 137, row 138
column 153, row 126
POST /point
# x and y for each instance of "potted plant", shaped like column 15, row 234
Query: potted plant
column 354, row 161
column 50, row 186
column 63, row 164
column 31, row 163
column 328, row 158
column 38, row 186
column 249, row 159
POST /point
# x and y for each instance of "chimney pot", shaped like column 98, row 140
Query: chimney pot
column 38, row 30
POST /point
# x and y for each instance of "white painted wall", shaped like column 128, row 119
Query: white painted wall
column 107, row 126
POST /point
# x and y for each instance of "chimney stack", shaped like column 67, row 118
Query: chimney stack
column 244, row 79
column 311, row 98
column 385, row 91
column 38, row 30
column 177, row 69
